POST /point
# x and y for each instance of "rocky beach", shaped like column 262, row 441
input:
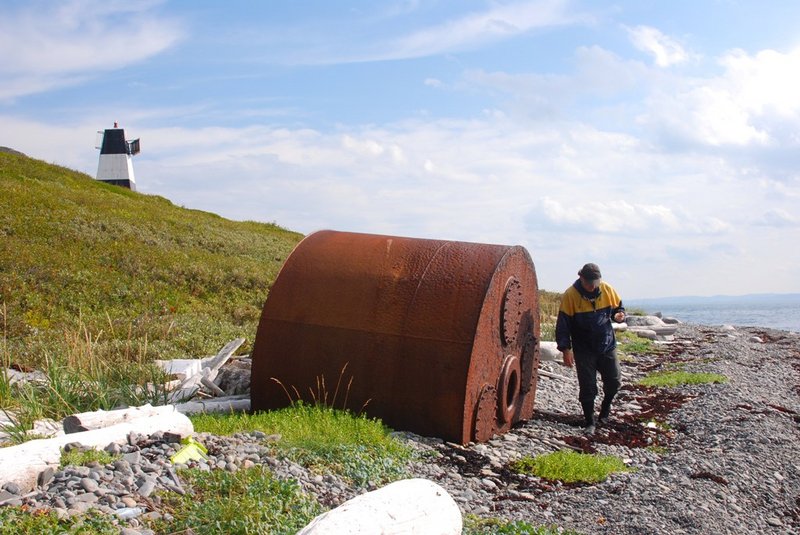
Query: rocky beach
column 711, row 458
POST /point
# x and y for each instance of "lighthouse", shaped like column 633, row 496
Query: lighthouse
column 116, row 165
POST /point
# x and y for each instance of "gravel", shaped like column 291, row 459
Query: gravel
column 714, row 458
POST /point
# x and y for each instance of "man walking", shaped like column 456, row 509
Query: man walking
column 586, row 338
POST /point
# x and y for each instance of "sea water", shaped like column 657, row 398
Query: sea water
column 776, row 311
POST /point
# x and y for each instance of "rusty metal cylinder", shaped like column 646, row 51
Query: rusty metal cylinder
column 436, row 337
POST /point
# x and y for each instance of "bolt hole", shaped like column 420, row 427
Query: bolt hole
column 512, row 390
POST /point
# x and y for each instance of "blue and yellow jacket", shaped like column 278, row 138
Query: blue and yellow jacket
column 584, row 319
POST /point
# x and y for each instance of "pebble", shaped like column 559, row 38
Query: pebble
column 726, row 463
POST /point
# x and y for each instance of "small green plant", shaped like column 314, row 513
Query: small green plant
column 19, row 521
column 570, row 467
column 474, row 525
column 82, row 457
column 328, row 440
column 247, row 501
column 629, row 343
column 680, row 378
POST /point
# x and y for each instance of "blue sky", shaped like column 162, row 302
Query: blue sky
column 660, row 140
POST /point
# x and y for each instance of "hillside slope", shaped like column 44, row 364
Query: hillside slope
column 126, row 269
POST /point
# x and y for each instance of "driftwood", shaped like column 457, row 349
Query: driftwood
column 86, row 421
column 226, row 404
column 406, row 506
column 22, row 464
column 200, row 372
column 222, row 357
column 208, row 383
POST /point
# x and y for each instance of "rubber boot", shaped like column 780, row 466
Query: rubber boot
column 588, row 418
column 605, row 411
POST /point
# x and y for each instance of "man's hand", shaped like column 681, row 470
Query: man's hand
column 569, row 358
column 619, row 317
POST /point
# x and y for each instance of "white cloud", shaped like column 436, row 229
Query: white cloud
column 709, row 114
column 766, row 83
column 663, row 48
column 754, row 102
column 500, row 22
column 621, row 217
column 778, row 218
column 44, row 46
column 599, row 76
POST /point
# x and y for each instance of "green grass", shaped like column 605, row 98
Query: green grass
column 629, row 343
column 146, row 277
column 474, row 525
column 97, row 281
column 680, row 378
column 225, row 503
column 570, row 466
column 20, row 521
column 79, row 380
column 327, row 440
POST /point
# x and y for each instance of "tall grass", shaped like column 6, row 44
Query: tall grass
column 549, row 303
column 79, row 378
column 5, row 364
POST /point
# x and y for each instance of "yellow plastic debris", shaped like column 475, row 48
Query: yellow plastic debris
column 191, row 451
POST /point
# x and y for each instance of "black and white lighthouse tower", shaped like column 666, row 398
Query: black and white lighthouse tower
column 116, row 165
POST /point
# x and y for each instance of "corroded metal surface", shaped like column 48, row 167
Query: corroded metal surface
column 435, row 337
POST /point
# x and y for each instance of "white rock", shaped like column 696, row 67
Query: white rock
column 405, row 506
column 549, row 351
column 644, row 333
column 643, row 321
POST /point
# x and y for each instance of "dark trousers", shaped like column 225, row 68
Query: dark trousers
column 588, row 365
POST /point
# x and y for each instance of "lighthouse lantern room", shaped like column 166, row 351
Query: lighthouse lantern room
column 116, row 166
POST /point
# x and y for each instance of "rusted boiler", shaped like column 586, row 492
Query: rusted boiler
column 436, row 337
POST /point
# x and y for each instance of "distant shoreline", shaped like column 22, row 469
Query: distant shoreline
column 766, row 297
column 774, row 311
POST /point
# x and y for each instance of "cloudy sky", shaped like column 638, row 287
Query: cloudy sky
column 660, row 139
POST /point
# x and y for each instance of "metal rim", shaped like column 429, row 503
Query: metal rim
column 509, row 386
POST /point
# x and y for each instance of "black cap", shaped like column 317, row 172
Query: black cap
column 590, row 272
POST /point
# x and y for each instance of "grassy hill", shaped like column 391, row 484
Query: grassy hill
column 84, row 263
